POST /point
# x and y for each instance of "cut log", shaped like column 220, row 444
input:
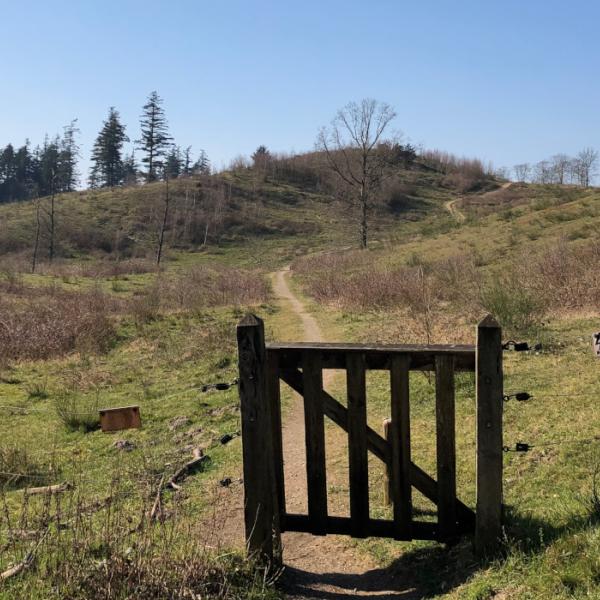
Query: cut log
column 49, row 489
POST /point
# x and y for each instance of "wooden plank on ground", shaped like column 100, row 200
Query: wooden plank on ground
column 117, row 419
column 446, row 445
column 312, row 378
column 357, row 444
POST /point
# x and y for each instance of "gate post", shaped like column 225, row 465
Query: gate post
column 261, row 513
column 489, row 384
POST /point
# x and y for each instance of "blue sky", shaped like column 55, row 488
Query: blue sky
column 508, row 81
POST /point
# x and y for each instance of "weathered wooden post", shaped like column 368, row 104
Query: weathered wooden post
column 261, row 512
column 489, row 384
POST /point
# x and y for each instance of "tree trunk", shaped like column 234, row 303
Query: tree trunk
column 51, row 249
column 37, row 236
column 164, row 225
column 363, row 218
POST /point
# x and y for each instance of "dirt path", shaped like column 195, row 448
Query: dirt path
column 320, row 567
column 460, row 217
column 450, row 206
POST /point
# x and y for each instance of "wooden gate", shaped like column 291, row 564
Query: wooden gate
column 300, row 365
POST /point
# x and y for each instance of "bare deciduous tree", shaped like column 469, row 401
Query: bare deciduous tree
column 586, row 164
column 522, row 171
column 560, row 166
column 355, row 152
column 543, row 172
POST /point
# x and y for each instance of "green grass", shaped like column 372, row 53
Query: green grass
column 551, row 525
column 553, row 539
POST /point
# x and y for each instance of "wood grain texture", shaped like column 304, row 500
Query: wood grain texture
column 489, row 386
column 312, row 378
column 260, row 498
column 357, row 444
column 399, row 442
column 446, row 445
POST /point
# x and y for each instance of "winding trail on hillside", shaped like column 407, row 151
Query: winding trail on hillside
column 450, row 206
column 455, row 212
column 321, row 567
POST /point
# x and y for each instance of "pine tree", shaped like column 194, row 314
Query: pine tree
column 108, row 169
column 155, row 138
column 130, row 170
column 48, row 160
column 173, row 163
column 187, row 161
column 66, row 174
column 202, row 165
column 7, row 174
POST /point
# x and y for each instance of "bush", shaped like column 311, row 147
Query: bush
column 41, row 323
column 78, row 413
column 201, row 287
column 18, row 468
column 518, row 309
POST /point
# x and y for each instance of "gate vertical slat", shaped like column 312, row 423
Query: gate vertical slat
column 357, row 443
column 312, row 375
column 274, row 395
column 399, row 438
column 446, row 445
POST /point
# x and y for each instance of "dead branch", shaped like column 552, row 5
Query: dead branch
column 157, row 512
column 187, row 469
column 49, row 489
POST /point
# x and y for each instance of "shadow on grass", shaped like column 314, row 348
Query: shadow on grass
column 427, row 572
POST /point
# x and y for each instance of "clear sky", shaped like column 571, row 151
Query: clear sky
column 507, row 81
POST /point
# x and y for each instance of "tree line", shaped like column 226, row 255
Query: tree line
column 561, row 169
column 51, row 168
column 41, row 171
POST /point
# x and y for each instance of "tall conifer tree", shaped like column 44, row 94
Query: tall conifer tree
column 108, row 169
column 155, row 138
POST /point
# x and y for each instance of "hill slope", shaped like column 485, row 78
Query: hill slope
column 225, row 210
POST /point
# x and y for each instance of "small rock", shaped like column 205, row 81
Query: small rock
column 178, row 422
column 125, row 445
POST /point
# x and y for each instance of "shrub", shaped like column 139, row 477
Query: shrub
column 518, row 309
column 19, row 468
column 565, row 275
column 45, row 322
column 77, row 413
column 201, row 287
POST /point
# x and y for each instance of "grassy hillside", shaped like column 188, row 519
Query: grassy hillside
column 90, row 331
column 535, row 263
column 288, row 215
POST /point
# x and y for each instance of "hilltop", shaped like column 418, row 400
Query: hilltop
column 294, row 202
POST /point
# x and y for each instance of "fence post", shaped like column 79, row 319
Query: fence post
column 489, row 384
column 261, row 514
